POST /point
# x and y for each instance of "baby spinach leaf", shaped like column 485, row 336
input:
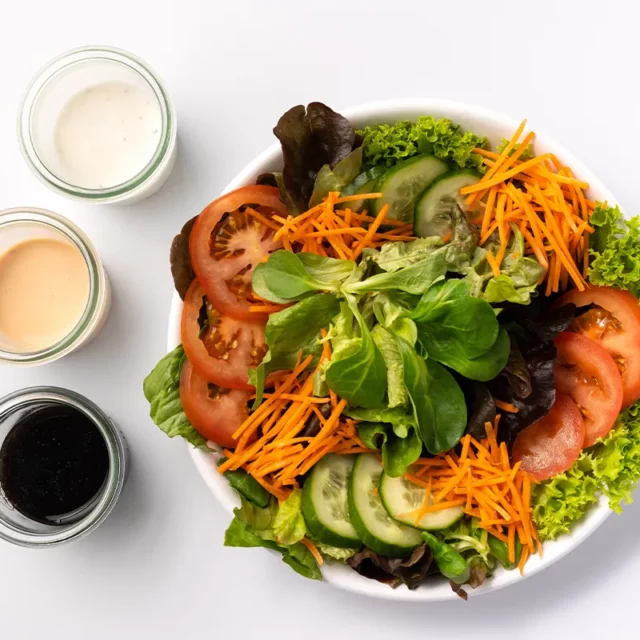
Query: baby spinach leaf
column 438, row 402
column 483, row 368
column 358, row 372
column 162, row 390
column 398, row 454
column 288, row 276
column 448, row 318
column 396, row 390
column 292, row 330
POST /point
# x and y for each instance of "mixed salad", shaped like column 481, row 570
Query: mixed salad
column 411, row 353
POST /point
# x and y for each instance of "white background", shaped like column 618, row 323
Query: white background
column 157, row 567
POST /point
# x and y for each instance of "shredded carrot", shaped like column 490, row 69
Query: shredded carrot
column 545, row 201
column 507, row 406
column 493, row 264
column 313, row 549
column 485, row 484
column 266, row 308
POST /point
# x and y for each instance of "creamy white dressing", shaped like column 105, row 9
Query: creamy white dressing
column 106, row 135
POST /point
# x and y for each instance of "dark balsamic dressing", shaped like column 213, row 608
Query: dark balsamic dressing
column 53, row 462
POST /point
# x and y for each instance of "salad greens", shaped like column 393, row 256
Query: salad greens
column 311, row 139
column 430, row 339
column 386, row 144
column 357, row 370
column 615, row 249
column 291, row 331
column 255, row 527
column 162, row 390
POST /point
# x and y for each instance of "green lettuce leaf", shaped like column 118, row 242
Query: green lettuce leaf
column 289, row 525
column 335, row 553
column 564, row 499
column 338, row 178
column 162, row 390
column 615, row 249
column 397, row 395
column 254, row 527
column 386, row 144
column 519, row 274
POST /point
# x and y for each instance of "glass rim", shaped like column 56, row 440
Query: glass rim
column 116, row 447
column 161, row 156
column 97, row 283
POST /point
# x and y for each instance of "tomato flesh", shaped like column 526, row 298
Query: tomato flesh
column 586, row 372
column 220, row 348
column 552, row 443
column 615, row 325
column 227, row 243
column 214, row 412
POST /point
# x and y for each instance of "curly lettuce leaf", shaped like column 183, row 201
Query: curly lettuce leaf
column 387, row 144
column 162, row 390
column 611, row 467
column 564, row 499
column 615, row 249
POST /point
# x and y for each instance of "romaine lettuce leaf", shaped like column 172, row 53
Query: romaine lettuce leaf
column 289, row 525
column 162, row 390
column 254, row 527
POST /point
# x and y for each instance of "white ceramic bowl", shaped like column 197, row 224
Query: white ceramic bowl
column 484, row 122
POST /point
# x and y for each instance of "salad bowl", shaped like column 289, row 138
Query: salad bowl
column 494, row 126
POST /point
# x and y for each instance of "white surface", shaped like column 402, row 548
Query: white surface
column 156, row 568
column 494, row 126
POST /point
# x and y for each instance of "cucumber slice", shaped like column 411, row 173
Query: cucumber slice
column 375, row 528
column 364, row 183
column 403, row 183
column 433, row 209
column 325, row 507
column 399, row 497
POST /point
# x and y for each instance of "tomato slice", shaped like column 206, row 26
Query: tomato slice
column 227, row 243
column 220, row 348
column 215, row 412
column 552, row 443
column 614, row 324
column 586, row 372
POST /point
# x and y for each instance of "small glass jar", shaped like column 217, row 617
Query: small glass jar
column 22, row 530
column 23, row 224
column 63, row 79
